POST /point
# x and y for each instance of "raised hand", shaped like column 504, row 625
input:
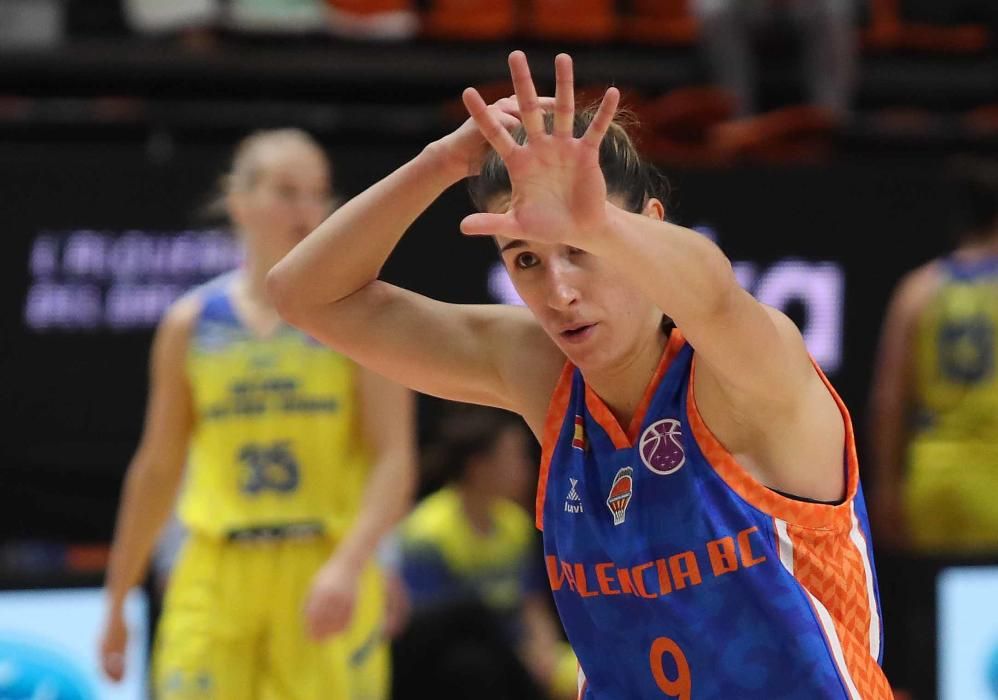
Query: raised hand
column 465, row 148
column 559, row 192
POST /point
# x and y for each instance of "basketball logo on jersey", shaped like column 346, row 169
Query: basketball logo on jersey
column 660, row 448
column 620, row 494
column 573, row 504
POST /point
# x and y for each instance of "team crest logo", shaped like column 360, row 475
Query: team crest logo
column 573, row 504
column 579, row 438
column 660, row 447
column 620, row 495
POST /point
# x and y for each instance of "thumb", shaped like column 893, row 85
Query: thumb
column 113, row 661
column 491, row 225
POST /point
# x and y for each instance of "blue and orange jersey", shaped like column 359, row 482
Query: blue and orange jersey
column 678, row 575
column 277, row 443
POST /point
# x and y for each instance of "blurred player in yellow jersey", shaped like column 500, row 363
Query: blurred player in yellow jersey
column 475, row 572
column 297, row 462
column 935, row 401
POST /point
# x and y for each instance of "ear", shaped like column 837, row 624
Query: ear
column 655, row 209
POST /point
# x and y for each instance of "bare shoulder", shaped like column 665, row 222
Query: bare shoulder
column 914, row 291
column 183, row 312
column 175, row 328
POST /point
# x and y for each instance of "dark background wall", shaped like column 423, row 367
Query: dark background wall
column 73, row 397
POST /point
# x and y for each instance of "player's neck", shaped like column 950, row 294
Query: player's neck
column 477, row 507
column 252, row 303
column 983, row 245
column 622, row 386
column 253, row 282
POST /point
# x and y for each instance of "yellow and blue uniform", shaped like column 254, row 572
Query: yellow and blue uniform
column 953, row 452
column 275, row 475
column 445, row 559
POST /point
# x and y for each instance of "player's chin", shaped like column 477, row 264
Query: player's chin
column 588, row 357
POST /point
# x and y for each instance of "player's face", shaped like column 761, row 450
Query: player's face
column 290, row 197
column 592, row 312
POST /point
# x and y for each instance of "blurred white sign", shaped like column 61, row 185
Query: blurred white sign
column 968, row 633
column 48, row 646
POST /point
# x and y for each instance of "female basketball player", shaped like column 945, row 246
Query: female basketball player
column 704, row 529
column 934, row 410
column 297, row 463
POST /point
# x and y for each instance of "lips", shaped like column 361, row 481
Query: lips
column 578, row 332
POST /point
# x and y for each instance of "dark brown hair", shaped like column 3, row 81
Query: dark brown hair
column 627, row 175
column 466, row 432
column 975, row 183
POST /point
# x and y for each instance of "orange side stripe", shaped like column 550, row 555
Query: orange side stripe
column 828, row 566
column 675, row 344
column 813, row 515
column 549, row 440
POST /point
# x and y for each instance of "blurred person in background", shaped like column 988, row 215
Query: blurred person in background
column 297, row 463
column 935, row 398
column 32, row 24
column 356, row 19
column 189, row 17
column 468, row 550
column 826, row 31
column 934, row 418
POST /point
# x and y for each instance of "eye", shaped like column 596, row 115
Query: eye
column 525, row 260
column 575, row 251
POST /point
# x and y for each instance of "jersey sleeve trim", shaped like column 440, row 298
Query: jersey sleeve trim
column 803, row 514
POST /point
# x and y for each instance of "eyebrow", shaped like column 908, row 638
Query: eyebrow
column 515, row 243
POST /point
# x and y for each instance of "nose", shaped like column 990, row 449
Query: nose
column 562, row 291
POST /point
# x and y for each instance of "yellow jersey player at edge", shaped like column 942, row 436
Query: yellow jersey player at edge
column 298, row 463
column 935, row 397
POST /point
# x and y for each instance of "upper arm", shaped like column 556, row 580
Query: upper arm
column 752, row 353
column 765, row 402
column 487, row 354
column 170, row 414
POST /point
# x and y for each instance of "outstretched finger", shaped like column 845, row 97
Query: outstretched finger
column 509, row 105
column 604, row 117
column 491, row 225
column 488, row 123
column 564, row 95
column 114, row 665
column 531, row 113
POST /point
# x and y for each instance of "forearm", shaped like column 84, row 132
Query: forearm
column 149, row 498
column 386, row 500
column 348, row 249
column 682, row 271
column 889, row 437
